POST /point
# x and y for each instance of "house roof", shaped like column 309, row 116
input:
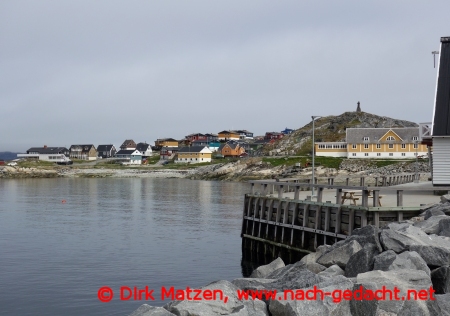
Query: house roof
column 192, row 149
column 128, row 142
column 228, row 132
column 83, row 147
column 356, row 135
column 166, row 140
column 143, row 147
column 48, row 150
column 195, row 134
column 125, row 151
column 104, row 147
column 274, row 133
column 441, row 120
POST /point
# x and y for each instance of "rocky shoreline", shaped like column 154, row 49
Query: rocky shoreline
column 241, row 170
column 400, row 257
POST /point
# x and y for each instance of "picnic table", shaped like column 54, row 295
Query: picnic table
column 353, row 196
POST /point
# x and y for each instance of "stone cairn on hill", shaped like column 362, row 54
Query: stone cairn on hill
column 402, row 256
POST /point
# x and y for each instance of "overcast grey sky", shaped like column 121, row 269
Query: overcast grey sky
column 76, row 72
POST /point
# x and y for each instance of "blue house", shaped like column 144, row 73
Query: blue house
column 287, row 131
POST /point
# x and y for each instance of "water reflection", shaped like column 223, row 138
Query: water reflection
column 116, row 232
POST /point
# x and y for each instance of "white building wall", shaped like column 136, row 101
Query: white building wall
column 385, row 155
column 441, row 161
column 331, row 154
column 192, row 160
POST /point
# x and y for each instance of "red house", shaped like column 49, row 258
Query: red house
column 273, row 135
column 196, row 136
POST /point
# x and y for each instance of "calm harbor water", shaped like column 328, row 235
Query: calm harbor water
column 54, row 256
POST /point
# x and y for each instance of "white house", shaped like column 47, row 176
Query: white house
column 132, row 157
column 52, row 154
column 194, row 154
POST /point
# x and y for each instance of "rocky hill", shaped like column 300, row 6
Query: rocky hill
column 331, row 129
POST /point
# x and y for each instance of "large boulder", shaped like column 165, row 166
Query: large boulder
column 362, row 261
column 228, row 304
column 389, row 260
column 434, row 256
column 147, row 310
column 444, row 227
column 443, row 302
column 295, row 305
column 441, row 280
column 367, row 235
column 401, row 239
column 331, row 272
column 265, row 270
column 293, row 276
column 339, row 254
column 431, row 225
column 401, row 281
column 312, row 257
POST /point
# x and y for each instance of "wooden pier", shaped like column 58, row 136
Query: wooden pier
column 274, row 223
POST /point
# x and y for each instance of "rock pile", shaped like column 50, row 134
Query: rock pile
column 400, row 269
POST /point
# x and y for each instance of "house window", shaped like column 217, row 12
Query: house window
column 403, row 154
column 403, row 146
column 378, row 146
column 366, row 146
column 378, row 154
column 366, row 154
column 366, row 139
column 391, row 146
column 353, row 154
column 390, row 138
column 415, row 138
column 391, row 154
column 416, row 146
column 354, row 146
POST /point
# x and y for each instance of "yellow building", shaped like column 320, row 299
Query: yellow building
column 166, row 142
column 194, row 154
column 394, row 143
column 229, row 135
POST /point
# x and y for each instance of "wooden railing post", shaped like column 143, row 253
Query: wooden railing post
column 338, row 196
column 365, row 198
column 319, row 194
column 297, row 192
column 399, row 197
column 376, row 198
column 280, row 191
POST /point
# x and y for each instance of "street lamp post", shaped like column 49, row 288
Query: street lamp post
column 313, row 149
column 416, row 176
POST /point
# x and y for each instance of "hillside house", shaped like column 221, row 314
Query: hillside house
column 168, row 153
column 393, row 143
column 84, row 152
column 273, row 135
column 128, row 144
column 52, row 154
column 129, row 156
column 229, row 135
column 166, row 142
column 106, row 151
column 145, row 149
column 194, row 154
column 231, row 149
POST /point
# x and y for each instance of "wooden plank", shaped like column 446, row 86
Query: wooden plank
column 261, row 214
column 277, row 219
column 317, row 225
column 351, row 221
column 305, row 222
column 327, row 223
column 285, row 219
column 294, row 221
column 338, row 196
column 376, row 219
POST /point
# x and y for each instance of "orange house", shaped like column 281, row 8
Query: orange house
column 231, row 149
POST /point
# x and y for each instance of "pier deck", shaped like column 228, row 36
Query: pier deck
column 281, row 215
